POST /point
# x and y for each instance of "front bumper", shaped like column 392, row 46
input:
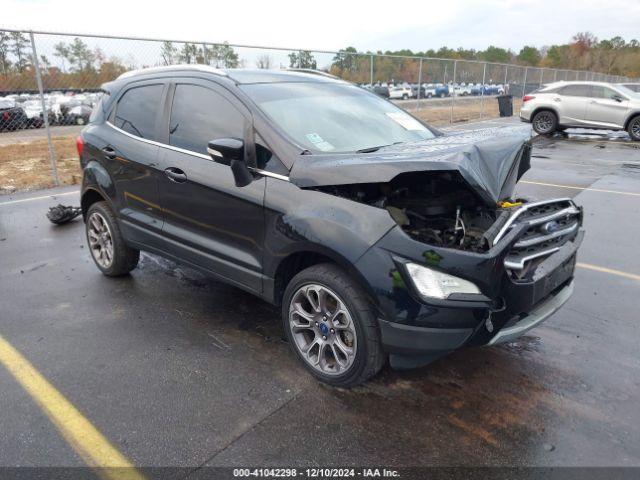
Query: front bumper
column 415, row 332
column 538, row 315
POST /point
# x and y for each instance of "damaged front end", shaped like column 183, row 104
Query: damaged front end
column 456, row 215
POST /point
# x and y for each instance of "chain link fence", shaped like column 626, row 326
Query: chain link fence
column 49, row 83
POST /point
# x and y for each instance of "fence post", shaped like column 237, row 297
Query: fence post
column 371, row 71
column 484, row 74
column 524, row 84
column 45, row 113
column 419, row 82
column 453, row 96
column 541, row 76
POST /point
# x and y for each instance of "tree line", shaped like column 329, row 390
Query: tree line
column 77, row 65
column 584, row 51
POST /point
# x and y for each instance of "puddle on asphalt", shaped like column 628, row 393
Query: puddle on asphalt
column 250, row 313
column 603, row 137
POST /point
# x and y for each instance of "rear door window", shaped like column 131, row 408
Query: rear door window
column 199, row 115
column 576, row 91
column 137, row 111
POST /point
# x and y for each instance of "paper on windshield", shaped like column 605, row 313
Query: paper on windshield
column 406, row 121
column 319, row 142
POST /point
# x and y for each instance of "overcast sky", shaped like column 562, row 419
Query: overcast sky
column 332, row 24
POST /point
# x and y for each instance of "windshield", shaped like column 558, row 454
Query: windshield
column 627, row 91
column 335, row 118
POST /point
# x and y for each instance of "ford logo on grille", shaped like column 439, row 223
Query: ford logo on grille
column 550, row 227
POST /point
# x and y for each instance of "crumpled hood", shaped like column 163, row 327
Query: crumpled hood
column 491, row 160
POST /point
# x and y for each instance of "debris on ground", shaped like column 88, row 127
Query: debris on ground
column 63, row 214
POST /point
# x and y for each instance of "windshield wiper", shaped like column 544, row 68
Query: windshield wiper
column 375, row 149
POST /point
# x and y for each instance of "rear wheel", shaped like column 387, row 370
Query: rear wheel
column 331, row 326
column 545, row 122
column 634, row 128
column 109, row 251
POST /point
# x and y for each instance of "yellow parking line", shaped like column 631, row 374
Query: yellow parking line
column 94, row 449
column 581, row 188
column 611, row 271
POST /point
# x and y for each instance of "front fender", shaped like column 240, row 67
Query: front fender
column 297, row 219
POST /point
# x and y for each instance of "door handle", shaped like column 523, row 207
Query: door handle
column 175, row 175
column 110, row 153
column 557, row 99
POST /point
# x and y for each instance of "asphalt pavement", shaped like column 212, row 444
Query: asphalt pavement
column 175, row 369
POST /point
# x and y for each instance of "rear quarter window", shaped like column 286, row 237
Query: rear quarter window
column 137, row 110
column 99, row 107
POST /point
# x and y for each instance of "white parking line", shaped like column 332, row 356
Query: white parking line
column 11, row 202
column 573, row 187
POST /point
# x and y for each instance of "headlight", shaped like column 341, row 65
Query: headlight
column 434, row 284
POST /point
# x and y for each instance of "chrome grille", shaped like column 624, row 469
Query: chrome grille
column 549, row 225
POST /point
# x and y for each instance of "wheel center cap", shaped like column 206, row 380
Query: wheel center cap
column 324, row 329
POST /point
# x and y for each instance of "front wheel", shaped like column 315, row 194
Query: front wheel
column 331, row 326
column 634, row 129
column 545, row 122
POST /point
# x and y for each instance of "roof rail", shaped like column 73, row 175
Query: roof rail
column 169, row 68
column 314, row 72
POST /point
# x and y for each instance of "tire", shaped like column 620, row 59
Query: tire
column 442, row 95
column 80, row 121
column 429, row 95
column 634, row 128
column 405, row 96
column 103, row 235
column 355, row 330
column 545, row 122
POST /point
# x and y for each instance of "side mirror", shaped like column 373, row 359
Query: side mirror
column 230, row 151
column 617, row 98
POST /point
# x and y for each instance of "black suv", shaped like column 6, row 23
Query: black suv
column 380, row 237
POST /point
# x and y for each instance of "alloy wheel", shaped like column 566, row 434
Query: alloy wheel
column 100, row 240
column 544, row 122
column 635, row 128
column 322, row 329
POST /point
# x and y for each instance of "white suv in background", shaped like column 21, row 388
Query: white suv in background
column 400, row 91
column 582, row 104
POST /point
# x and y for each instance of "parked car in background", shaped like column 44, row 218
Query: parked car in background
column 460, row 90
column 414, row 91
column 381, row 90
column 598, row 105
column 33, row 110
column 12, row 116
column 78, row 115
column 634, row 87
column 400, row 92
column 429, row 90
column 441, row 90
